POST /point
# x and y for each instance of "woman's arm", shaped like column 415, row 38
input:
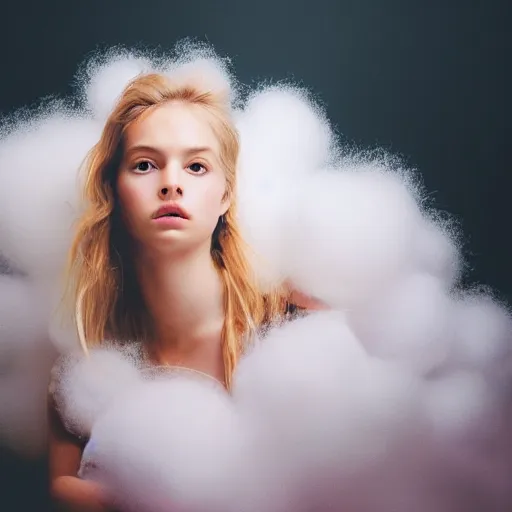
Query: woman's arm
column 68, row 492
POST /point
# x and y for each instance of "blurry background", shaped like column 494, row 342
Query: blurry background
column 427, row 80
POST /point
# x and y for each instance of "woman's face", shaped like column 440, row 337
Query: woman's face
column 171, row 161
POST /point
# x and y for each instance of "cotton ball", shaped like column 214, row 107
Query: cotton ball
column 458, row 402
column 471, row 448
column 262, row 222
column 197, row 64
column 292, row 354
column 26, row 357
column 359, row 228
column 264, row 209
column 206, row 74
column 410, row 322
column 324, row 405
column 85, row 386
column 185, row 455
column 483, row 330
column 438, row 252
column 269, row 172
column 107, row 78
column 36, row 230
column 305, row 141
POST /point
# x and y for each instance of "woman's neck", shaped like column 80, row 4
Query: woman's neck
column 185, row 299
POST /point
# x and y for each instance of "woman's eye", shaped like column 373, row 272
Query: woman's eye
column 143, row 166
column 197, row 168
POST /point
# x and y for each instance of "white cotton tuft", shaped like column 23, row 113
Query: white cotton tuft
column 206, row 74
column 262, row 223
column 197, row 64
column 409, row 322
column 36, row 228
column 483, row 331
column 88, row 384
column 185, row 440
column 106, row 79
column 352, row 235
column 283, row 139
column 438, row 252
column 324, row 405
column 26, row 356
column 284, row 132
column 458, row 403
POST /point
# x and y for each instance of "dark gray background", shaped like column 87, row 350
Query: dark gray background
column 429, row 80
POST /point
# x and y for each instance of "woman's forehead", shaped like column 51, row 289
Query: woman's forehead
column 176, row 127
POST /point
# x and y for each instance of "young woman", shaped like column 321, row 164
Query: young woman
column 158, row 257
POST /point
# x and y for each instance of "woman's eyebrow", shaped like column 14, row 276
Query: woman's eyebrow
column 152, row 149
column 135, row 149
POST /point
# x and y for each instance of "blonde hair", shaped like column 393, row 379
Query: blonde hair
column 103, row 288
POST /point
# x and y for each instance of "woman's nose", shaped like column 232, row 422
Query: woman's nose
column 170, row 192
column 170, row 186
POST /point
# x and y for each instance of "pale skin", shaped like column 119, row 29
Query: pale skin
column 171, row 156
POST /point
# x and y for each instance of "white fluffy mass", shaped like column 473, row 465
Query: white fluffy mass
column 396, row 399
column 81, row 396
column 26, row 356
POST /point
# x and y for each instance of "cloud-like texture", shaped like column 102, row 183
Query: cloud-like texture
column 396, row 399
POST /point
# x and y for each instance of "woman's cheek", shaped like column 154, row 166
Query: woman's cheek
column 135, row 194
column 135, row 204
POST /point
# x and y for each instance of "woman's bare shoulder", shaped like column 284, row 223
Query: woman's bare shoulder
column 305, row 302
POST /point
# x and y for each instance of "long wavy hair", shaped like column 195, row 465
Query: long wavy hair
column 104, row 291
